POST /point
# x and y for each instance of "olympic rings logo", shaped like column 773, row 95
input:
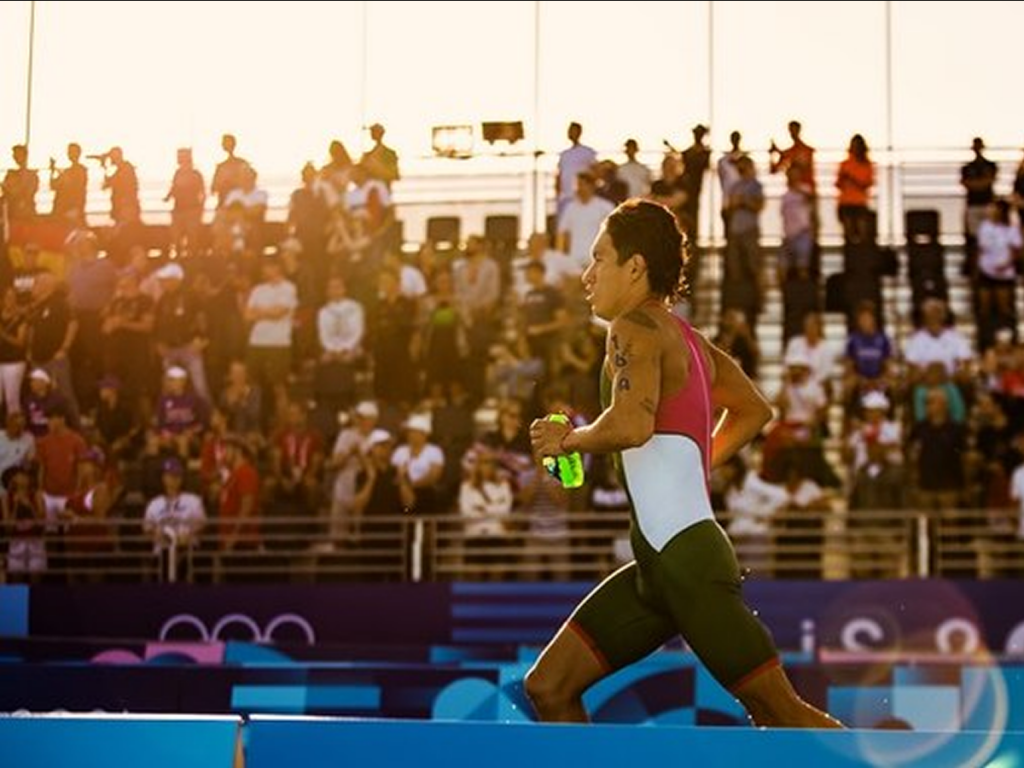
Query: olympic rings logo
column 264, row 635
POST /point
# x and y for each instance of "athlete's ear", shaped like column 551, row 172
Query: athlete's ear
column 638, row 265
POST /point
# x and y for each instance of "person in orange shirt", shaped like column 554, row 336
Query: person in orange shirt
column 854, row 181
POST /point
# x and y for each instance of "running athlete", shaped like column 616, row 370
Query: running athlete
column 662, row 386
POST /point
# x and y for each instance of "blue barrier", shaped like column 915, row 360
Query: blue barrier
column 117, row 741
column 382, row 744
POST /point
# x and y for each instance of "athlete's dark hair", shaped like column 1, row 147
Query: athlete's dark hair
column 651, row 230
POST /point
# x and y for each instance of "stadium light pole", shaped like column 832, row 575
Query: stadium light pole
column 28, row 76
column 538, row 224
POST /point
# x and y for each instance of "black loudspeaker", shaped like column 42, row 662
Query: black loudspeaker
column 510, row 132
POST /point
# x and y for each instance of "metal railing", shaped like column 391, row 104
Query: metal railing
column 793, row 544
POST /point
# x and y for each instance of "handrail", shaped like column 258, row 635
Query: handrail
column 830, row 544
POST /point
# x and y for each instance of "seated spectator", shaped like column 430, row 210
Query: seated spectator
column 485, row 504
column 23, row 513
column 173, row 520
column 181, row 415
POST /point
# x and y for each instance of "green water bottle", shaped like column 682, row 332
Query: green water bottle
column 567, row 468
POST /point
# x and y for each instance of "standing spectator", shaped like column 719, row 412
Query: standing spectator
column 179, row 327
column 696, row 161
column 52, row 333
column 729, row 173
column 70, row 186
column 271, row 311
column 188, row 191
column 743, row 288
column 123, row 184
column 999, row 257
column 633, row 173
column 854, row 181
column 126, row 333
column 580, row 221
column 381, row 161
column 20, row 185
column 576, row 159
column 341, row 326
column 230, row 172
column 978, row 179
column 91, row 285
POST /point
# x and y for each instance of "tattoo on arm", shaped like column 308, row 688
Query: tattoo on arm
column 649, row 405
column 623, row 384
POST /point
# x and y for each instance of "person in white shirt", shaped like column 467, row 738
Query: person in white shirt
column 174, row 520
column 635, row 174
column 485, row 502
column 572, row 161
column 581, row 221
column 270, row 311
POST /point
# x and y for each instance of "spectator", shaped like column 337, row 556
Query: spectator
column 174, row 520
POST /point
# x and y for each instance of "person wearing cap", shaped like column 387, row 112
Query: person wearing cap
column 180, row 328
column 181, row 415
column 421, row 462
column 381, row 490
column 351, row 445
column 174, row 518
column 40, row 401
column 875, row 427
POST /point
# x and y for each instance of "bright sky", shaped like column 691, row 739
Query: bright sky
column 288, row 77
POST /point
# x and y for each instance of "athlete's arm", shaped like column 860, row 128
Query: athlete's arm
column 746, row 409
column 634, row 358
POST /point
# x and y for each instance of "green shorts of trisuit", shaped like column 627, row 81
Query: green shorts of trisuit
column 691, row 588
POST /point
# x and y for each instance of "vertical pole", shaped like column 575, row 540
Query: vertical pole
column 28, row 77
column 538, row 214
column 711, row 216
column 889, row 129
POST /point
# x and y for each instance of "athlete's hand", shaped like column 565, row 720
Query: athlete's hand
column 546, row 437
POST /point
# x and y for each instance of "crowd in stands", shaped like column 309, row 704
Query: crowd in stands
column 332, row 375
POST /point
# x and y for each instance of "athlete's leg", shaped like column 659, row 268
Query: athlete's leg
column 611, row 628
column 771, row 701
column 698, row 570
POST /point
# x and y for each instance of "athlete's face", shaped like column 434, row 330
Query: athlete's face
column 605, row 280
